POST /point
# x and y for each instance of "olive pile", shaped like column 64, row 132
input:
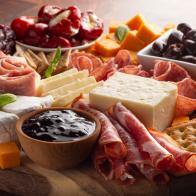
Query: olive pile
column 180, row 45
column 7, row 39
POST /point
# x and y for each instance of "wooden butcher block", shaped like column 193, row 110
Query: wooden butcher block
column 31, row 179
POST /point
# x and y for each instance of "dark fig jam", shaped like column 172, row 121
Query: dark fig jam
column 58, row 126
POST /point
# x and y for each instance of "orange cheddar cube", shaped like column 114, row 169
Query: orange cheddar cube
column 148, row 33
column 112, row 37
column 135, row 22
column 132, row 42
column 180, row 119
column 107, row 47
column 114, row 25
column 9, row 155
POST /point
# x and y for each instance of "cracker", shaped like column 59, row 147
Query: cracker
column 184, row 134
column 30, row 60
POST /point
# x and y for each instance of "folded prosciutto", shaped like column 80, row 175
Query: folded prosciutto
column 186, row 100
column 160, row 158
column 169, row 71
column 137, row 158
column 185, row 161
column 17, row 77
column 109, row 138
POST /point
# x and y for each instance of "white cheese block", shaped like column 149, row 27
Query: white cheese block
column 53, row 84
column 7, row 127
column 25, row 104
column 69, row 97
column 153, row 102
column 78, row 83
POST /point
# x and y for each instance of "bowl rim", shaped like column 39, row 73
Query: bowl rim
column 26, row 116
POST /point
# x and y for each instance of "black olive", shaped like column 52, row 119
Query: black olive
column 190, row 46
column 59, row 120
column 191, row 35
column 184, row 28
column 158, row 48
column 175, row 37
column 174, row 51
column 188, row 58
column 45, row 137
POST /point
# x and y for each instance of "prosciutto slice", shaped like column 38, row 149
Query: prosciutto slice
column 123, row 58
column 169, row 71
column 186, row 100
column 184, row 160
column 109, row 138
column 159, row 156
column 17, row 77
column 139, row 159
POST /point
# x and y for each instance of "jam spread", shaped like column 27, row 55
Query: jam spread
column 58, row 125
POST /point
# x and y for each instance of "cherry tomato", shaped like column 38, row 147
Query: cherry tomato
column 47, row 12
column 38, row 29
column 66, row 23
column 55, row 41
column 21, row 25
column 91, row 26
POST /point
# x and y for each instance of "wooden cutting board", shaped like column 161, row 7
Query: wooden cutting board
column 33, row 180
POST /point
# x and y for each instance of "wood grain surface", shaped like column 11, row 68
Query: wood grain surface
column 33, row 180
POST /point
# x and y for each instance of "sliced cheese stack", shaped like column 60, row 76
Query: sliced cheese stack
column 67, row 86
column 153, row 102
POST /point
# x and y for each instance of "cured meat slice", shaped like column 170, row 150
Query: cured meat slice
column 160, row 157
column 109, row 138
column 123, row 58
column 186, row 100
column 81, row 64
column 184, row 160
column 139, row 159
column 103, row 164
column 169, row 71
column 103, row 72
column 131, row 69
column 17, row 77
column 112, row 169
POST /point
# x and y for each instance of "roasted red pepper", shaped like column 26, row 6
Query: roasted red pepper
column 66, row 23
column 47, row 12
column 21, row 25
column 91, row 26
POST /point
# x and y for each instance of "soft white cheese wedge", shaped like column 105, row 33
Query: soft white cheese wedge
column 25, row 104
column 153, row 102
column 58, row 82
column 7, row 127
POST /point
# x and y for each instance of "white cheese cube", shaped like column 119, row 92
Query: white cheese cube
column 25, row 104
column 7, row 127
column 153, row 102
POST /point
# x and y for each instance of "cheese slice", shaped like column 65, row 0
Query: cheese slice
column 25, row 104
column 7, row 127
column 61, row 75
column 53, row 84
column 78, row 83
column 71, row 95
column 153, row 102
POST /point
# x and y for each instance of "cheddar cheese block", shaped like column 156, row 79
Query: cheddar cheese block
column 135, row 22
column 9, row 155
column 153, row 102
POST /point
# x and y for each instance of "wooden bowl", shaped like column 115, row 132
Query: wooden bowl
column 57, row 155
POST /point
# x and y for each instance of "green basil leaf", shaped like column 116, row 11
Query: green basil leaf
column 53, row 63
column 6, row 99
column 121, row 32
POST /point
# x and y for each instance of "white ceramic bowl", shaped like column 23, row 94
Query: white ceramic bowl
column 39, row 49
column 147, row 59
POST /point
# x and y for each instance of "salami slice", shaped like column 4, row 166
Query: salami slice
column 160, row 157
column 139, row 159
column 131, row 69
column 186, row 100
column 109, row 138
column 95, row 61
column 169, row 71
column 184, row 160
column 123, row 58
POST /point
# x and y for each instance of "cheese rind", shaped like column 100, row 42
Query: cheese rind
column 153, row 102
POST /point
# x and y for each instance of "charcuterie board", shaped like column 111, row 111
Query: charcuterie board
column 31, row 179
